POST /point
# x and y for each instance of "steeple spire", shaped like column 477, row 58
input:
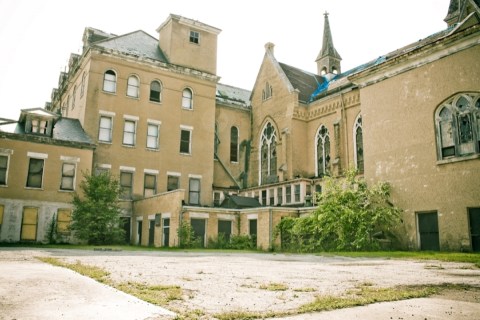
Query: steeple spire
column 328, row 59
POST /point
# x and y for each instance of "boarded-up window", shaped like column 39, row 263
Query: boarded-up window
column 29, row 224
column 64, row 217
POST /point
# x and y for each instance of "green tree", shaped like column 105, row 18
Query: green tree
column 351, row 216
column 96, row 213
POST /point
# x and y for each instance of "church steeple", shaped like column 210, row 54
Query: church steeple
column 328, row 59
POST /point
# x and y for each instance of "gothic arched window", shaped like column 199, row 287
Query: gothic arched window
column 268, row 155
column 322, row 151
column 457, row 121
column 358, row 143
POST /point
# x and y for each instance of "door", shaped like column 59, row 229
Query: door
column 428, row 229
column 252, row 230
column 198, row 226
column 139, row 232
column 151, row 233
column 225, row 228
column 474, row 217
column 126, row 227
column 166, row 232
column 29, row 224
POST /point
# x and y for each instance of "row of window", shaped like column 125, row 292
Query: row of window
column 153, row 133
column 268, row 151
column 133, row 89
column 36, row 167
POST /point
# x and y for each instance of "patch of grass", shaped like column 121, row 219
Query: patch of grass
column 274, row 286
column 189, row 315
column 155, row 294
column 249, row 315
column 93, row 272
column 306, row 289
column 364, row 295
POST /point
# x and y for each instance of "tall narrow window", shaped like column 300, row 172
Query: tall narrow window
column 297, row 192
column 129, row 133
column 234, row 144
column 194, row 37
column 267, row 92
column 358, row 143
column 3, row 170
column 110, row 81
column 126, row 184
column 105, row 130
column 457, row 122
column 216, row 142
column 150, row 185
column 68, row 176
column 185, row 136
column 187, row 99
column 322, row 151
column 194, row 191
column 155, row 91
column 268, row 155
column 133, row 87
column 35, row 173
column 152, row 136
column 74, row 95
column 82, row 86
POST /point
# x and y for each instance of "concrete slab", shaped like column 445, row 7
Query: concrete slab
column 38, row 290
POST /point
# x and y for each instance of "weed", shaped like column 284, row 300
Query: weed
column 273, row 286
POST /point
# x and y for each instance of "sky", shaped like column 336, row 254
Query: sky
column 38, row 36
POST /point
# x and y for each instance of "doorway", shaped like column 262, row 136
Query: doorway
column 198, row 226
column 474, row 218
column 428, row 230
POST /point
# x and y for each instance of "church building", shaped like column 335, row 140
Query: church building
column 187, row 148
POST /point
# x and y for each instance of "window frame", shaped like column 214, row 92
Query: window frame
column 129, row 134
column 173, row 177
column 62, row 222
column 183, row 142
column 187, row 100
column 234, row 137
column 128, row 187
column 154, row 189
column 153, row 99
column 194, row 192
column 155, row 138
column 29, row 173
column 4, row 170
column 110, row 81
column 268, row 146
column 104, row 129
column 322, row 136
column 133, row 89
column 194, row 37
column 358, row 150
column 64, row 177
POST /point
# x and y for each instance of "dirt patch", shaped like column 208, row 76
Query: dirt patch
column 223, row 282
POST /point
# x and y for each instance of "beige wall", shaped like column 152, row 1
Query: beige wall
column 400, row 145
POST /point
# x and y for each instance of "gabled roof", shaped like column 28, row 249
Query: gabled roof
column 232, row 95
column 306, row 82
column 138, row 44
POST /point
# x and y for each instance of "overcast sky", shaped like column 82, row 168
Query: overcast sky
column 37, row 37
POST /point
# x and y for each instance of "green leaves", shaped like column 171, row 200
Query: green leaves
column 349, row 214
column 96, row 213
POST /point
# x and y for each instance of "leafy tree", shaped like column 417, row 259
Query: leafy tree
column 351, row 216
column 96, row 213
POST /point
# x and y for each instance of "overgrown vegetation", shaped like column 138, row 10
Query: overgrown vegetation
column 235, row 242
column 96, row 212
column 351, row 216
column 186, row 236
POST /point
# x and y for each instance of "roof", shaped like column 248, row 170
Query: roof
column 138, row 44
column 306, row 82
column 232, row 95
column 68, row 129
column 239, row 202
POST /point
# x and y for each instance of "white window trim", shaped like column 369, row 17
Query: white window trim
column 173, row 173
column 135, row 121
column 253, row 216
column 150, row 171
column 128, row 169
column 106, row 113
column 199, row 215
column 104, row 166
column 131, row 118
column 37, row 155
column 185, row 127
column 195, row 176
column 74, row 163
column 153, row 121
column 70, row 159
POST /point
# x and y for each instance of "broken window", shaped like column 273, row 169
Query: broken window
column 358, row 140
column 68, row 176
column 172, row 183
column 268, row 155
column 35, row 173
column 458, row 126
column 150, row 185
column 155, row 91
column 323, row 151
column 126, row 184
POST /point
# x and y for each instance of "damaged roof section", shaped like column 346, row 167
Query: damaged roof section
column 234, row 96
column 305, row 82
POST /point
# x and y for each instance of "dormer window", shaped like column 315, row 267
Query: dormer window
column 194, row 37
column 39, row 126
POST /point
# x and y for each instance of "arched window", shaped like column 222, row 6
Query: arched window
column 322, row 151
column 133, row 87
column 268, row 155
column 155, row 91
column 234, row 144
column 110, row 81
column 187, row 99
column 457, row 121
column 358, row 143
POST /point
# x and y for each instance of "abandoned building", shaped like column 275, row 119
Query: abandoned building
column 186, row 147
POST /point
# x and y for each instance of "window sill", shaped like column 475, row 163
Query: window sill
column 128, row 146
column 185, row 154
column 458, row 159
column 66, row 191
column 155, row 102
column 152, row 150
column 131, row 97
column 33, row 188
column 105, row 142
column 113, row 93
column 187, row 109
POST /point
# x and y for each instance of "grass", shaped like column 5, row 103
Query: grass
column 274, row 286
column 93, row 272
